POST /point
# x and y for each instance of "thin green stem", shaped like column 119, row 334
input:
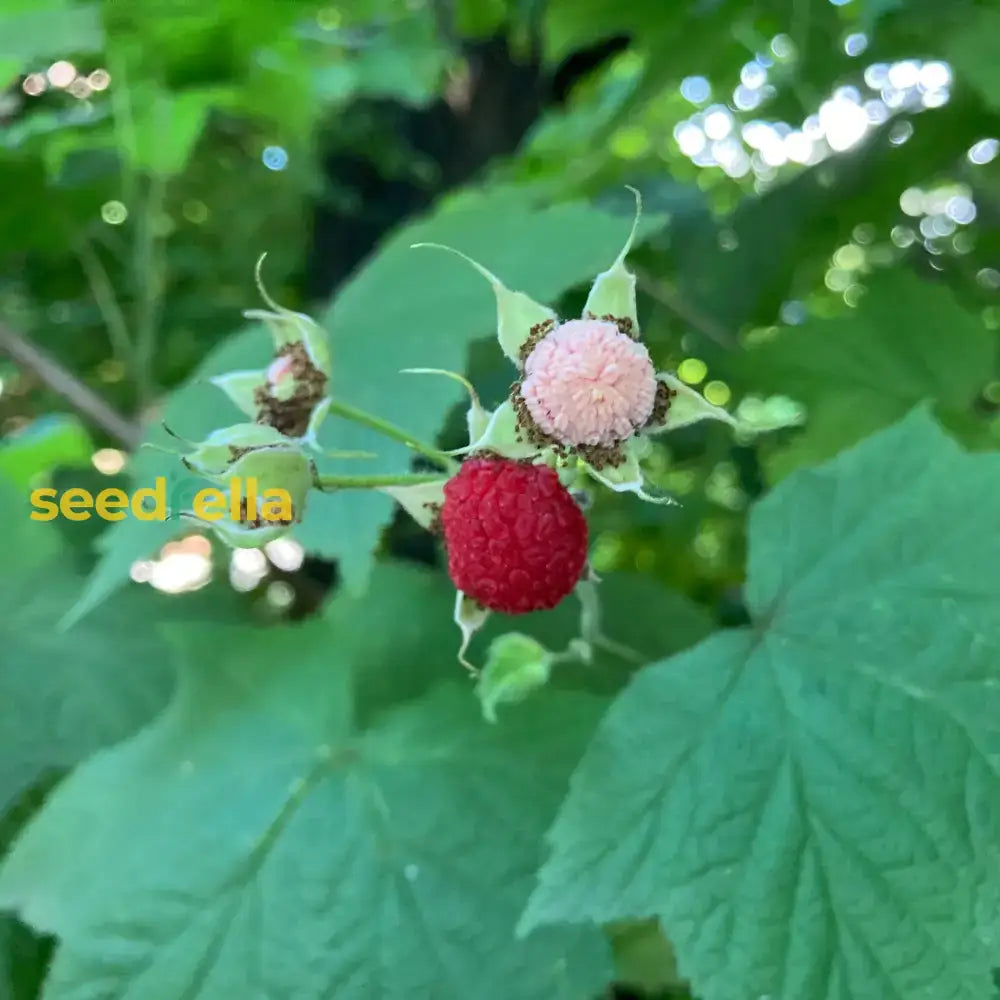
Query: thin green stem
column 123, row 123
column 389, row 430
column 150, row 277
column 332, row 483
column 107, row 303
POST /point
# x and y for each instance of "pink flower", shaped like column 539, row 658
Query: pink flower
column 587, row 397
column 587, row 383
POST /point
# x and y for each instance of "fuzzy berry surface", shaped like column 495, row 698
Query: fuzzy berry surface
column 516, row 538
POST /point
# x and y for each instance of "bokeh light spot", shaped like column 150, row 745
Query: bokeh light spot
column 109, row 461
column 696, row 89
column 114, row 213
column 61, row 73
column 984, row 151
column 692, row 370
column 855, row 43
column 34, row 84
column 717, row 393
column 274, row 158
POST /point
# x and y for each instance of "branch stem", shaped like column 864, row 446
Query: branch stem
column 667, row 296
column 63, row 382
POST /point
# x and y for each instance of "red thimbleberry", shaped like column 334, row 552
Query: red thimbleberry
column 516, row 539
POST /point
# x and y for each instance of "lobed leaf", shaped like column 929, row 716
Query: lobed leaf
column 810, row 804
column 281, row 829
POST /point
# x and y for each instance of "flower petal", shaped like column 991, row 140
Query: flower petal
column 422, row 501
column 613, row 290
column 687, row 407
column 517, row 314
column 470, row 616
column 241, row 387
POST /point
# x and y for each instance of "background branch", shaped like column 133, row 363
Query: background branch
column 663, row 293
column 69, row 387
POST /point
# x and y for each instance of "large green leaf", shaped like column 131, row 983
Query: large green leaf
column 908, row 341
column 167, row 126
column 31, row 32
column 51, row 441
column 420, row 604
column 273, row 835
column 406, row 308
column 811, row 804
column 972, row 50
column 66, row 694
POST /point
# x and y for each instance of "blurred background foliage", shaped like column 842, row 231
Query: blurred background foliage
column 821, row 251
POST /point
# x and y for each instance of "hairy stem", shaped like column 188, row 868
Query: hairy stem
column 389, row 430
column 332, row 483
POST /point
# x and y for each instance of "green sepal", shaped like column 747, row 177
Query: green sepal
column 215, row 455
column 241, row 387
column 278, row 467
column 517, row 313
column 628, row 477
column 422, row 501
column 516, row 665
column 470, row 616
column 239, row 536
column 501, row 436
column 288, row 327
column 613, row 290
column 762, row 416
column 688, row 406
column 316, row 418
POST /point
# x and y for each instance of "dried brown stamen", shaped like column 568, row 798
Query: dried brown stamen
column 538, row 332
column 661, row 405
column 624, row 323
column 259, row 522
column 291, row 416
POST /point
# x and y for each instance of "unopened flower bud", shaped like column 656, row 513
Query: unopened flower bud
column 214, row 457
column 292, row 393
column 265, row 477
column 516, row 665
